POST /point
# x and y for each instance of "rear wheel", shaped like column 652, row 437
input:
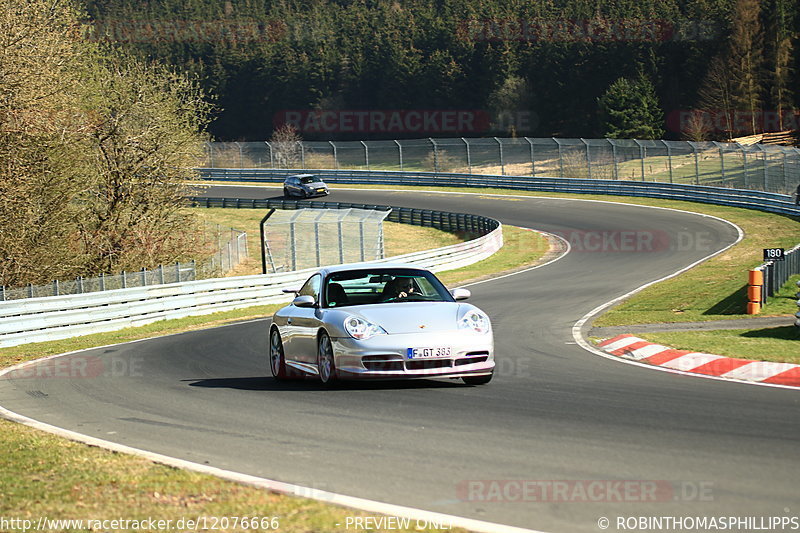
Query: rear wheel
column 277, row 362
column 478, row 380
column 325, row 362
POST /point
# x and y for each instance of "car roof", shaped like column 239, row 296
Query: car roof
column 302, row 176
column 368, row 266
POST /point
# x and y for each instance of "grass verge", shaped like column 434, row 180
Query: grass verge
column 769, row 344
column 398, row 238
column 42, row 475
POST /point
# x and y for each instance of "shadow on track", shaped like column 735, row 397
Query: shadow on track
column 310, row 384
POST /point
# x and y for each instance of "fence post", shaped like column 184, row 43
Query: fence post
column 669, row 161
column 302, row 154
column 30, row 290
column 744, row 166
column 124, row 280
column 341, row 240
column 55, row 287
column 721, row 160
column 177, row 271
column 161, row 274
column 361, row 239
column 785, row 177
column 502, row 159
column 2, row 293
column 271, row 160
column 210, row 154
column 764, row 152
column 293, row 244
column 641, row 156
column 533, row 161
column 560, row 157
column 80, row 284
column 399, row 153
column 614, row 157
column 194, row 271
column 144, row 277
column 469, row 156
column 588, row 158
column 102, row 281
column 754, row 291
column 435, row 155
column 335, row 156
column 366, row 153
column 241, row 156
column 696, row 164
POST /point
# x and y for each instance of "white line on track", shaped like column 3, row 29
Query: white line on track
column 349, row 501
column 290, row 489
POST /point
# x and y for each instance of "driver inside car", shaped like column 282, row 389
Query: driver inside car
column 398, row 288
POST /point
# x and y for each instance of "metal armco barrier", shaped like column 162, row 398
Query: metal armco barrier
column 442, row 220
column 745, row 198
column 59, row 317
column 797, row 315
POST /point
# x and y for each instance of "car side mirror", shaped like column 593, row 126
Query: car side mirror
column 460, row 294
column 304, row 301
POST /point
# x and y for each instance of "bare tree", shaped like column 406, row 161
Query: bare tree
column 145, row 144
column 286, row 148
column 41, row 164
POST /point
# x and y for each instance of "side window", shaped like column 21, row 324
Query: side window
column 312, row 287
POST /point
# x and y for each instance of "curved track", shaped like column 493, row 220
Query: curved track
column 553, row 412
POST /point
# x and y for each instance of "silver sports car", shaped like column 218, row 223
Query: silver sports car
column 380, row 321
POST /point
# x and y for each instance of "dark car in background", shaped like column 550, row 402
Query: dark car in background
column 304, row 186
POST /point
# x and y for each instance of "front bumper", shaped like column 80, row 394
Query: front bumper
column 385, row 356
column 315, row 193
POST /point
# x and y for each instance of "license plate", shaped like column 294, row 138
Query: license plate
column 419, row 353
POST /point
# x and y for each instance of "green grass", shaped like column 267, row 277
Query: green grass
column 398, row 238
column 713, row 290
column 44, row 475
column 781, row 344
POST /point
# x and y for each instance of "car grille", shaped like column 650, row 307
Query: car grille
column 382, row 363
column 425, row 364
column 390, row 363
column 472, row 358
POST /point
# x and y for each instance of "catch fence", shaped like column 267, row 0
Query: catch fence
column 732, row 165
column 230, row 246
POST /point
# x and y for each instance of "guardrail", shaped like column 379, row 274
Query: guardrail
column 767, row 279
column 745, row 198
column 59, row 317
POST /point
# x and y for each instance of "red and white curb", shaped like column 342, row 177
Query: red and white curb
column 636, row 349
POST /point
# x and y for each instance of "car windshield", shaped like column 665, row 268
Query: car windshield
column 308, row 179
column 383, row 285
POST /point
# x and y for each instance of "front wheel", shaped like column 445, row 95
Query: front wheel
column 478, row 380
column 325, row 361
column 277, row 361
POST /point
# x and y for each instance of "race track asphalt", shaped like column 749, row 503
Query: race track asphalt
column 556, row 417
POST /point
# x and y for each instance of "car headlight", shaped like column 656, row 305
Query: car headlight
column 475, row 321
column 360, row 329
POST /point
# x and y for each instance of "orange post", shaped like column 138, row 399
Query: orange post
column 755, row 283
